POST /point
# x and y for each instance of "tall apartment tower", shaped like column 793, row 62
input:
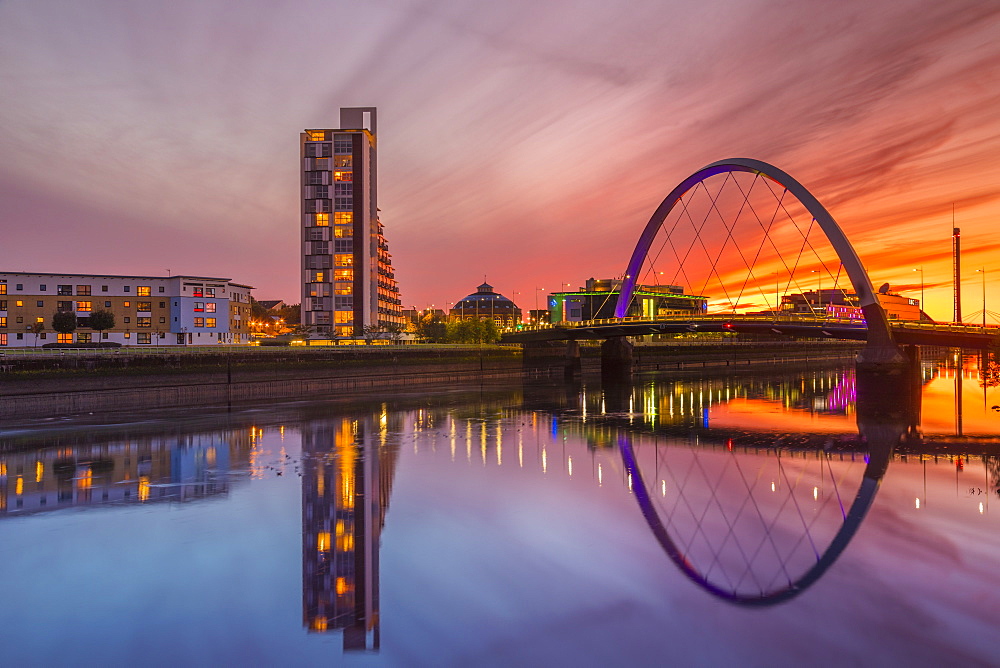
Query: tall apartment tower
column 347, row 279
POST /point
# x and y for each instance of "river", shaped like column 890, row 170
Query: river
column 766, row 518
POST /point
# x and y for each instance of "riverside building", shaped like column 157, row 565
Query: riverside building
column 148, row 310
column 348, row 283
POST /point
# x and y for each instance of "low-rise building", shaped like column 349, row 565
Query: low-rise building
column 148, row 310
column 599, row 297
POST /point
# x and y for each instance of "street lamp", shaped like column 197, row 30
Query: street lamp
column 921, row 270
column 536, row 303
column 820, row 289
column 983, row 272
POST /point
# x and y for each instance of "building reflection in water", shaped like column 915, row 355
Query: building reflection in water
column 140, row 469
column 347, row 471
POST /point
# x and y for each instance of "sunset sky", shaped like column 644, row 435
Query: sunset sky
column 525, row 141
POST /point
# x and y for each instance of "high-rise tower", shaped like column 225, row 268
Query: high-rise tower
column 347, row 279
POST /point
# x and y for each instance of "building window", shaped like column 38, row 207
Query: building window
column 64, row 338
column 197, row 292
column 3, row 304
column 3, row 338
column 128, row 288
column 64, row 289
column 18, row 302
column 342, row 145
column 318, row 276
column 199, row 306
column 210, row 322
column 344, row 303
column 127, row 320
column 83, row 291
column 144, row 306
column 316, row 135
column 3, row 288
column 163, row 304
column 315, row 234
column 127, row 335
column 343, row 260
column 343, row 189
column 144, row 290
column 83, row 306
column 343, row 203
column 314, row 178
column 344, row 274
column 107, row 304
column 321, row 219
column 143, row 321
column 343, row 218
column 19, row 319
column 143, row 338
column 43, row 288
column 343, row 246
column 209, row 292
column 19, row 286
column 209, row 307
column 104, row 288
column 163, row 320
column 343, row 231
column 83, row 337
column 321, row 248
column 343, row 317
column 343, row 176
column 40, row 304
column 3, row 321
column 126, row 304
column 199, row 322
column 342, row 162
column 321, row 192
column 64, row 306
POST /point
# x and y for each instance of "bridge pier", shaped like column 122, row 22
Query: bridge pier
column 881, row 354
column 616, row 359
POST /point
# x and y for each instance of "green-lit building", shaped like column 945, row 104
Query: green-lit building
column 597, row 301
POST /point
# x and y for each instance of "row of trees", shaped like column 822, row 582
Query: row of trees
column 435, row 329
column 65, row 322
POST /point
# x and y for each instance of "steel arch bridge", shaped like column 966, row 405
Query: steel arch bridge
column 755, row 217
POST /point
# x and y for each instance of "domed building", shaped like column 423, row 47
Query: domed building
column 485, row 303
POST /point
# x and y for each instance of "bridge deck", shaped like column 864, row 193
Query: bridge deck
column 905, row 332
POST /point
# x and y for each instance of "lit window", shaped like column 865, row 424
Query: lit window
column 144, row 306
column 344, row 274
column 209, row 292
column 342, row 161
column 144, row 290
column 199, row 306
column 83, row 337
column 209, row 307
column 316, row 135
column 318, row 276
column 64, row 289
column 3, row 338
column 64, row 338
column 343, row 218
column 199, row 322
column 18, row 303
column 322, row 219
column 344, row 260
column 198, row 292
column 343, row 176
column 142, row 337
column 126, row 304
column 143, row 321
column 83, row 290
column 3, row 288
column 210, row 322
column 3, row 321
column 341, row 232
column 343, row 317
column 39, row 319
column 83, row 306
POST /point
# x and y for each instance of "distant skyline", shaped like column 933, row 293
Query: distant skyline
column 522, row 141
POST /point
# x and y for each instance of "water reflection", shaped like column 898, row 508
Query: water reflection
column 753, row 486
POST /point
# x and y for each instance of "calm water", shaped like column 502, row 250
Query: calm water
column 717, row 520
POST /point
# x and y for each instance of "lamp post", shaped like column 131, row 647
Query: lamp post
column 921, row 270
column 819, row 293
column 983, row 272
column 537, row 289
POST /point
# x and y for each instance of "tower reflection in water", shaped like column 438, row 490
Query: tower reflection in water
column 347, row 471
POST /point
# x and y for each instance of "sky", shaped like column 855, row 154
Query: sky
column 521, row 142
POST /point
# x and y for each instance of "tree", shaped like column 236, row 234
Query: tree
column 473, row 331
column 431, row 328
column 64, row 322
column 101, row 320
column 37, row 329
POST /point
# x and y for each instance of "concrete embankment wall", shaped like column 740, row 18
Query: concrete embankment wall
column 99, row 387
